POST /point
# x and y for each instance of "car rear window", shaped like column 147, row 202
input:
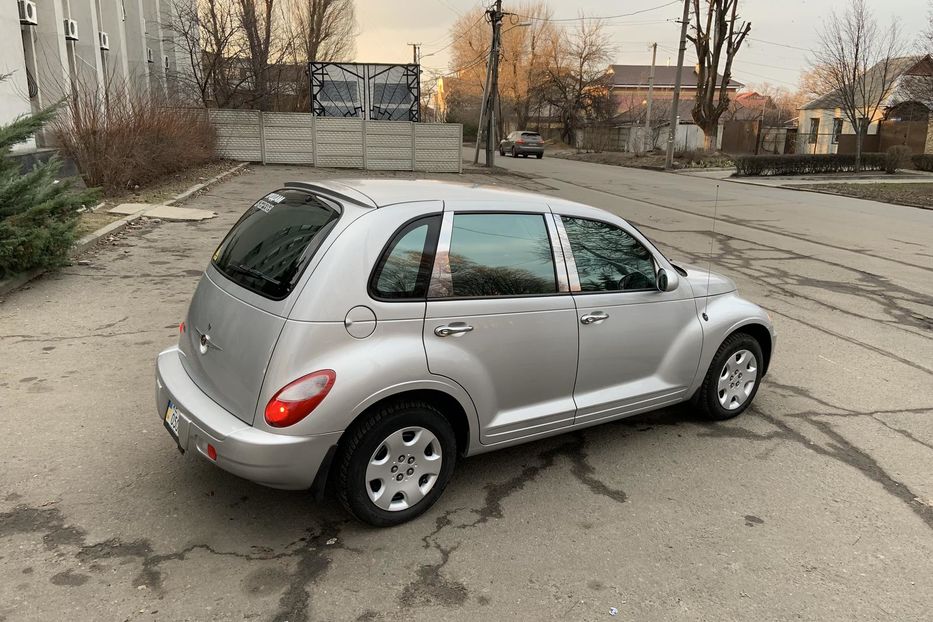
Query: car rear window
column 268, row 248
column 531, row 135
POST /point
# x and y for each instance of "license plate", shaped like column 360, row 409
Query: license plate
column 172, row 419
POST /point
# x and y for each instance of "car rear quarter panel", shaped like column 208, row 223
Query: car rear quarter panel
column 389, row 361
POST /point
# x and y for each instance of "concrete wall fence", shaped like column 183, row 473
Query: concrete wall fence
column 302, row 138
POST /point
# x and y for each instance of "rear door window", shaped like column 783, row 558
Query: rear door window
column 268, row 248
column 501, row 255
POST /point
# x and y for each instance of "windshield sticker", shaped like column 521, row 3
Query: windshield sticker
column 264, row 205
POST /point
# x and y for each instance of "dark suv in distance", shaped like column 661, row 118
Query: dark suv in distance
column 522, row 143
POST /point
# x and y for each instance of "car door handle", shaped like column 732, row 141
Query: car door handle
column 594, row 317
column 457, row 328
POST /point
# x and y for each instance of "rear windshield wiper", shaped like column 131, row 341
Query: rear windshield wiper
column 253, row 272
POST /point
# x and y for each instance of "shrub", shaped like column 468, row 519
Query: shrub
column 123, row 141
column 923, row 162
column 897, row 156
column 806, row 164
column 38, row 212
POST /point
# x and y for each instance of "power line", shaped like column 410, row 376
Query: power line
column 582, row 19
column 783, row 45
column 464, row 33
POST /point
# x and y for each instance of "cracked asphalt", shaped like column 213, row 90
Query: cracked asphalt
column 817, row 504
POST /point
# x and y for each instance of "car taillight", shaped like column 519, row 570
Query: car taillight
column 296, row 400
column 181, row 327
column 519, row 142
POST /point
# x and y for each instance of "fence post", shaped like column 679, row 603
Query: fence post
column 414, row 146
column 262, row 138
column 314, row 140
column 363, row 142
column 460, row 151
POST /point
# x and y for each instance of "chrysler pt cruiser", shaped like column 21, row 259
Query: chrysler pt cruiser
column 362, row 335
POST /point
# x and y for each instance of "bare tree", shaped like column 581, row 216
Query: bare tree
column 523, row 67
column 324, row 30
column 321, row 30
column 857, row 64
column 576, row 82
column 717, row 40
column 208, row 34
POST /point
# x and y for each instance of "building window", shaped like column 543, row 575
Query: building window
column 814, row 131
column 837, row 130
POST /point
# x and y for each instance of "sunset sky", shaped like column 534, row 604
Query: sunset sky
column 386, row 26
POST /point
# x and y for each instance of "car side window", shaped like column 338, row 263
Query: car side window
column 501, row 255
column 607, row 257
column 404, row 270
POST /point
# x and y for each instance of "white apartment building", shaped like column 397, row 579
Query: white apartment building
column 49, row 47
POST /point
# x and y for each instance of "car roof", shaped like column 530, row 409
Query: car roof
column 385, row 192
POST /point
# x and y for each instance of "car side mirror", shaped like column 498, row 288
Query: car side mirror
column 666, row 282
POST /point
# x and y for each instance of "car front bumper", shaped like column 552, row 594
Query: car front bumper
column 275, row 460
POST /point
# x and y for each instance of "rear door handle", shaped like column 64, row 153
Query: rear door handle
column 457, row 328
column 594, row 317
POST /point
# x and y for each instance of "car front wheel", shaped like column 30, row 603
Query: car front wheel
column 396, row 463
column 732, row 379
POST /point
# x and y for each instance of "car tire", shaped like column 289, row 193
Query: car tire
column 726, row 391
column 539, row 156
column 514, row 153
column 502, row 152
column 360, row 452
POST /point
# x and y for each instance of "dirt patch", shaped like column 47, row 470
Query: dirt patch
column 686, row 159
column 912, row 194
column 171, row 185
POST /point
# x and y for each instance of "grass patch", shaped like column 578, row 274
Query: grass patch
column 913, row 194
column 88, row 222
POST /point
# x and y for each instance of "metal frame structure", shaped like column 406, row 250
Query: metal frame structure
column 363, row 101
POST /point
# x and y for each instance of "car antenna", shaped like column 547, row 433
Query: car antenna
column 709, row 263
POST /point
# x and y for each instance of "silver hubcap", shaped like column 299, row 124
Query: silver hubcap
column 737, row 379
column 403, row 469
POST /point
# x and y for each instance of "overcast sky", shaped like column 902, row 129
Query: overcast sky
column 386, row 26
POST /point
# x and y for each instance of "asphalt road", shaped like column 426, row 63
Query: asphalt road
column 816, row 505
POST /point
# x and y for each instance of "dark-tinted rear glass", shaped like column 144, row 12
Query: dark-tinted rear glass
column 268, row 249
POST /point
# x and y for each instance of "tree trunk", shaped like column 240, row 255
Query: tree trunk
column 859, row 135
column 710, row 134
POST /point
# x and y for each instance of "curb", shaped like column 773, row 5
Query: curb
column 17, row 281
column 198, row 187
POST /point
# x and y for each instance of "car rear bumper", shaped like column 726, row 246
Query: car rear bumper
column 528, row 150
column 275, row 460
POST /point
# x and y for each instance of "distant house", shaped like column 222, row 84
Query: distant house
column 903, row 118
column 629, row 90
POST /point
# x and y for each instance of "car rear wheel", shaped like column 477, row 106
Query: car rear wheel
column 514, row 152
column 732, row 379
column 502, row 152
column 395, row 464
column 539, row 156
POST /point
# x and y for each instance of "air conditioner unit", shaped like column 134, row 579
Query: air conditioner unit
column 165, row 64
column 149, row 55
column 71, row 30
column 104, row 40
column 27, row 12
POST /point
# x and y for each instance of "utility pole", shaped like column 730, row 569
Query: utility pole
column 490, row 92
column 675, row 102
column 415, row 53
column 649, row 141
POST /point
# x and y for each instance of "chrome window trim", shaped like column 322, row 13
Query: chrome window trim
column 441, row 282
column 571, row 264
column 560, row 266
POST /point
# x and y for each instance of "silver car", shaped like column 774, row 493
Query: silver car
column 362, row 335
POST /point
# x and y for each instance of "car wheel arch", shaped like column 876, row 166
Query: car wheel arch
column 761, row 334
column 452, row 406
